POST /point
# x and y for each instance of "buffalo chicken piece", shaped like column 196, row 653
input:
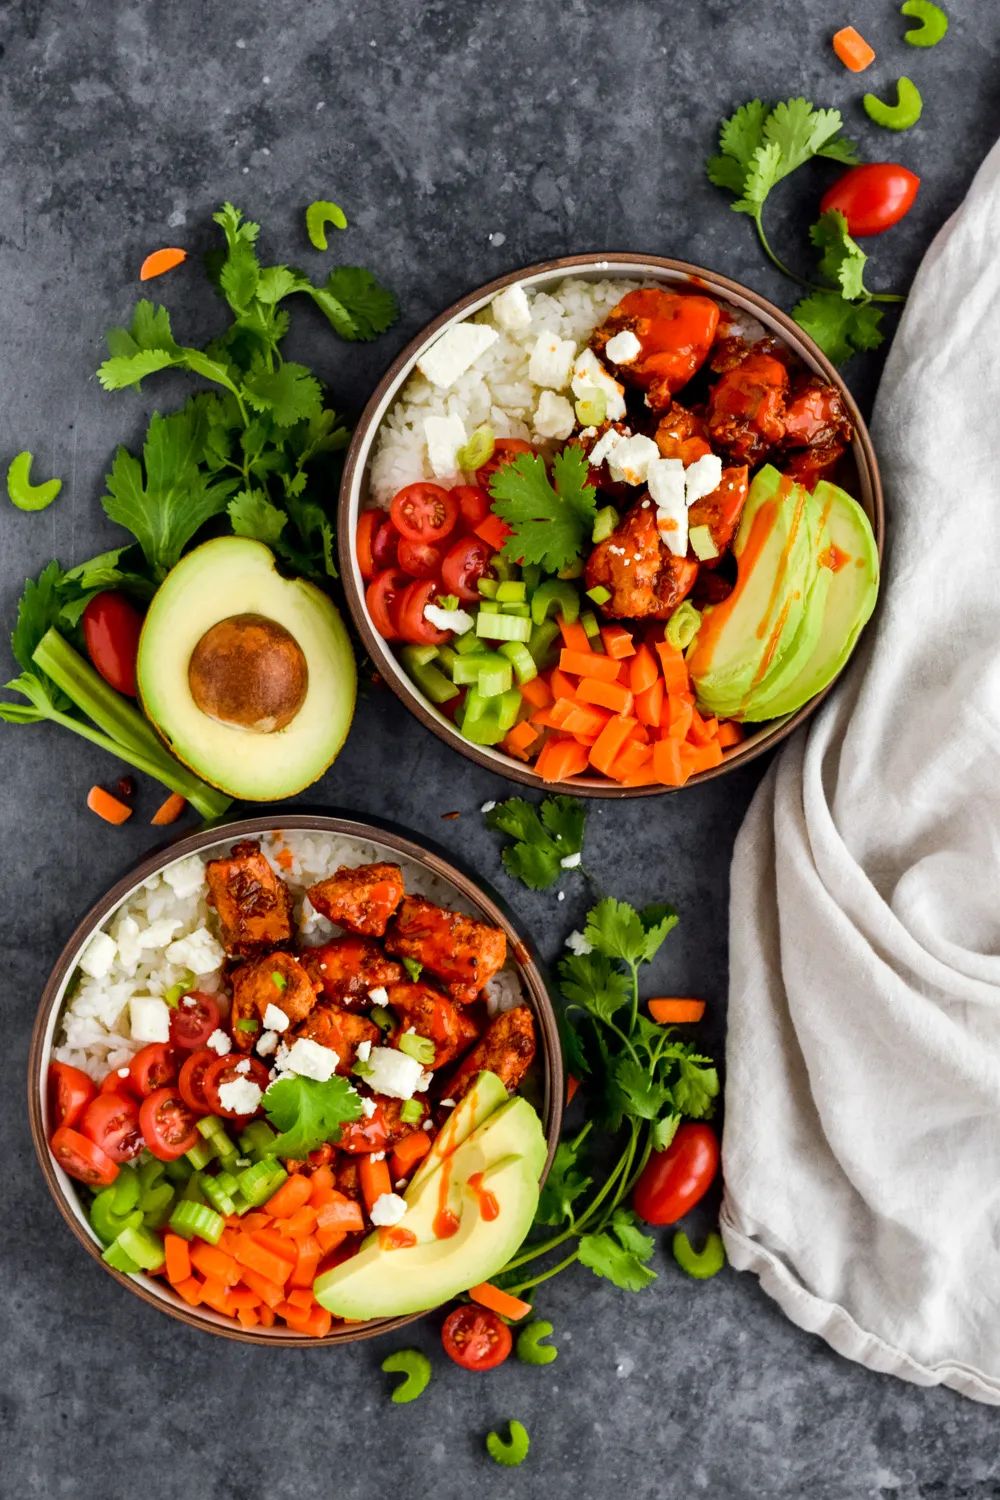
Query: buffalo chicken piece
column 361, row 898
column 341, row 1030
column 462, row 951
column 599, row 474
column 817, row 431
column 645, row 579
column 746, row 407
column 348, row 968
column 721, row 510
column 675, row 332
column 507, row 1048
column 681, row 434
column 253, row 904
column 274, row 979
column 385, row 1127
column 434, row 1016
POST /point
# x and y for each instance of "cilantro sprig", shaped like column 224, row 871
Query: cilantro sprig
column 544, row 836
column 639, row 1081
column 551, row 521
column 758, row 148
column 308, row 1113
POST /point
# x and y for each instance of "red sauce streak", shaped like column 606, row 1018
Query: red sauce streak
column 834, row 559
column 489, row 1208
column 396, row 1238
column 445, row 1222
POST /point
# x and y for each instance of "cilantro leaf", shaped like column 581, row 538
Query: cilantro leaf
column 658, row 921
column 606, row 1257
column 636, row 1091
column 38, row 609
column 840, row 328
column 551, row 523
column 615, row 929
column 591, row 981
column 564, row 819
column 842, row 258
column 664, row 1131
column 739, row 138
column 290, row 393
column 239, row 272
column 370, row 307
column 534, row 865
column 697, row 1088
column 252, row 514
column 625, row 1228
column 800, row 132
column 308, row 1113
column 763, row 172
column 544, row 837
column 563, row 1186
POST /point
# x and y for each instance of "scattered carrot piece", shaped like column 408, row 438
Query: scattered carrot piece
column 606, row 695
column 560, row 759
column 107, row 807
column 499, row 1301
column 854, row 52
column 536, row 692
column 160, row 261
column 407, row 1152
column 610, row 742
column 588, row 664
column 178, row 1259
column 675, row 1011
column 729, row 734
column 169, row 811
column 374, row 1178
column 618, row 641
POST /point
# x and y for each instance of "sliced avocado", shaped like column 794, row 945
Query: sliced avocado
column 476, row 1105
column 744, row 639
column 508, row 1150
column 850, row 563
column 249, row 677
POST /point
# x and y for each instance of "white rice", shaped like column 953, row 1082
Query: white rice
column 166, row 931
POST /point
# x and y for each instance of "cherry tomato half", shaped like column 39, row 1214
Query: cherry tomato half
column 674, row 1180
column 872, row 197
column 504, row 450
column 191, row 1080
column 115, row 1083
column 424, row 512
column 192, row 1023
column 169, row 1128
column 473, row 505
column 152, row 1068
column 111, row 1121
column 476, row 1338
column 82, row 1159
column 368, row 523
column 70, row 1091
column 419, row 559
column 381, row 597
column 232, row 1069
column 412, row 625
column 384, row 544
column 464, row 564
column 111, row 628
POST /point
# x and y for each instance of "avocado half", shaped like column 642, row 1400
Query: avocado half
column 249, row 677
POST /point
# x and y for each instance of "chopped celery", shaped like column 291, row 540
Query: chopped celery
column 488, row 587
column 495, row 679
column 502, row 566
column 571, row 570
column 382, row 1017
column 475, row 707
column 157, row 1206
column 115, row 1256
column 468, row 668
column 543, row 639
column 483, row 731
column 503, row 627
column 508, row 709
column 106, row 1222
column 261, row 1181
column 227, row 1182
column 201, row 1154
column 177, row 1171
column 431, row 682
column 589, row 622
column 489, row 606
column 604, row 523
column 142, row 1246
column 468, row 644
column 511, row 591
column 555, row 597
column 217, row 1196
column 447, row 659
column 128, row 1185
column 418, row 656
column 522, row 611
column 599, row 594
column 256, row 1140
column 521, row 660
column 212, row 1129
column 531, row 573
column 411, row 1112
column 191, row 1191
column 191, row 1219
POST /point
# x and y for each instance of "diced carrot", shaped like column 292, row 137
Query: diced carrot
column 854, row 52
column 674, row 668
column 111, row 809
column 561, row 685
column 520, row 740
column 169, row 811
column 612, row 738
column 215, row 1294
column 276, row 1243
column 160, row 261
column 667, row 762
column 248, row 1317
column 266, row 1316
column 585, row 721
column 680, row 715
column 178, row 1258
column 537, row 692
column 330, row 1239
column 499, row 1301
column 696, row 758
column 560, row 711
column 610, row 695
column 588, row 664
column 572, row 1084
column 543, row 718
column 321, row 1181
column 301, row 1297
column 190, row 1290
column 575, row 638
column 649, row 703
column 299, row 1224
column 493, row 532
column 645, row 776
column 214, row 1263
column 407, row 1152
column 316, row 1324
column 341, row 1213
column 374, row 1178
column 242, row 1296
column 269, row 1292
column 634, row 758
column 729, row 734
column 307, row 1265
column 560, row 759
column 702, row 731
column 618, row 641
column 292, row 1194
column 642, row 670
column 675, row 1011
column 262, row 1258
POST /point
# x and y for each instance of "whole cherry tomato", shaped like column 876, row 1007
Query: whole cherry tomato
column 111, row 629
column 872, row 197
column 674, row 1180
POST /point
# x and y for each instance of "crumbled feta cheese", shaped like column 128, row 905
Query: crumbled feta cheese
column 368, row 1108
column 588, row 372
column 571, row 861
column 376, row 1156
column 554, row 416
column 242, row 1096
column 401, row 1183
column 388, row 1208
column 511, row 308
column 623, row 348
column 588, row 432
column 630, row 459
column 379, row 996
column 487, row 807
column 268, row 1044
column 560, row 895
column 243, row 1066
column 149, row 1019
column 189, row 1002
column 198, row 952
column 447, row 1104
column 309, row 1060
column 275, row 1019
column 443, row 436
column 424, row 1082
column 453, row 353
column 605, row 446
column 666, row 487
column 124, row 1072
column 98, row 956
column 219, row 1042
column 551, row 361
column 577, row 943
column 186, row 877
column 393, row 1073
column 364, row 1051
column 458, row 620
column 702, row 477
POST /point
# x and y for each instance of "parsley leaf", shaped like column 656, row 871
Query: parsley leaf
column 839, row 328
column 544, row 837
column 308, row 1113
column 551, row 523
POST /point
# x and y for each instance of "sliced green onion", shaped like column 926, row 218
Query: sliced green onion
column 411, row 1112
column 683, row 625
column 197, row 1219
column 248, row 1023
column 592, row 407
column 383, row 1018
column 477, row 451
column 604, row 523
column 599, row 594
column 183, row 986
column 413, row 968
column 502, row 627
column 421, row 1048
column 702, row 544
column 279, row 981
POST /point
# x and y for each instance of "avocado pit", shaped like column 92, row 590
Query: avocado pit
column 249, row 672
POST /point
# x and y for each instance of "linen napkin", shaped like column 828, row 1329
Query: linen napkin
column 862, row 1138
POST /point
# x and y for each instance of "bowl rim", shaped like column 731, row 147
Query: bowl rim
column 610, row 263
column 370, row 829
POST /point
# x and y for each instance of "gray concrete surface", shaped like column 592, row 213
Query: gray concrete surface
column 464, row 140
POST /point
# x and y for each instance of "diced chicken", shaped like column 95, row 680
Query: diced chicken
column 817, row 431
column 462, row 951
column 340, row 1030
column 645, row 579
column 384, row 1129
column 273, row 979
column 348, row 968
column 507, row 1048
column 361, row 898
column 347, row 1176
column 253, row 904
column 675, row 331
column 681, row 434
column 434, row 1016
column 746, row 407
column 721, row 510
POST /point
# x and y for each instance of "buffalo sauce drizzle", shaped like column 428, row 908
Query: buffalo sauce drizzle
column 489, row 1208
column 445, row 1222
column 395, row 1237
